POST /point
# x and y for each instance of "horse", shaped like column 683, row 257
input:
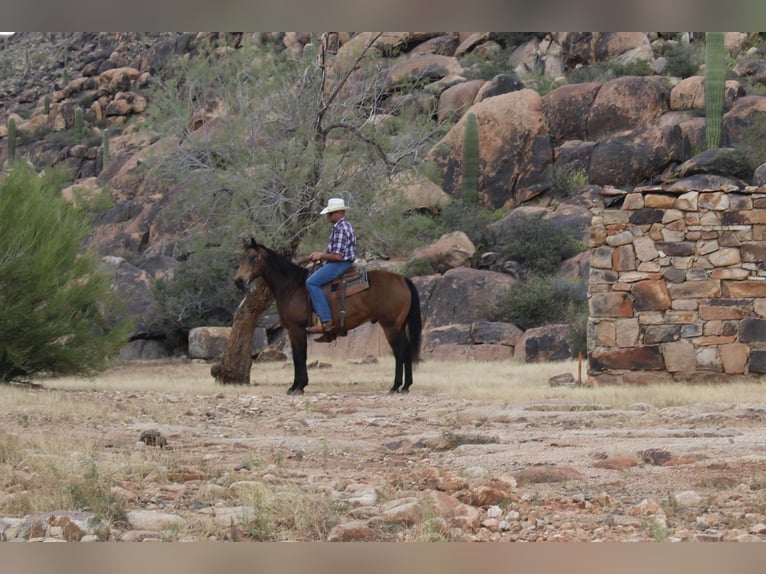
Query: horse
column 391, row 300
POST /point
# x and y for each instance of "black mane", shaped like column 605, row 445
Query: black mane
column 289, row 275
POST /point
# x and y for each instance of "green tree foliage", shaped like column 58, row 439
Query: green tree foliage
column 715, row 86
column 194, row 296
column 52, row 298
column 539, row 245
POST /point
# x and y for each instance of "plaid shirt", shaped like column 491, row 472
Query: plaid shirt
column 343, row 240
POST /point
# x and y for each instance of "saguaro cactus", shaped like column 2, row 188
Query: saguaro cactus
column 11, row 139
column 471, row 160
column 79, row 124
column 105, row 150
column 715, row 85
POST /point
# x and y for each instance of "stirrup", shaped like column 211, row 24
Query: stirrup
column 317, row 327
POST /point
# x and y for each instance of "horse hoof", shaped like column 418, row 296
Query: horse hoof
column 393, row 391
column 295, row 391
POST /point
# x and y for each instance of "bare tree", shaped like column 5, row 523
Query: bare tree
column 268, row 138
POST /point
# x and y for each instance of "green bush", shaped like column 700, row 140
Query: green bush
column 539, row 245
column 417, row 267
column 53, row 300
column 201, row 292
column 683, row 58
column 473, row 220
column 568, row 181
column 542, row 300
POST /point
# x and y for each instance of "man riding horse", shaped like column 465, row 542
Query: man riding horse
column 340, row 255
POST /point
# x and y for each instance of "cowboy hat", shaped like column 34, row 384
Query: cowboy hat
column 334, row 204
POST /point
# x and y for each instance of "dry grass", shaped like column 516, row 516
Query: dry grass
column 509, row 382
column 78, row 467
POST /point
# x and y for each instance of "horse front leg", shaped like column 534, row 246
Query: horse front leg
column 299, row 345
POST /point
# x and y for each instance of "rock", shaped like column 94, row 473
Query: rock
column 547, row 343
column 210, row 342
column 448, row 252
column 153, row 520
column 353, row 531
column 514, row 143
column 453, row 296
column 403, row 511
column 562, row 380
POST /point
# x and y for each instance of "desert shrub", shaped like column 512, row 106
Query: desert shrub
column 417, row 267
column 539, row 245
column 54, row 301
column 541, row 300
column 473, row 220
column 683, row 58
column 567, row 181
column 750, row 145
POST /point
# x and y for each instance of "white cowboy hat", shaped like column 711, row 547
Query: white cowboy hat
column 334, row 204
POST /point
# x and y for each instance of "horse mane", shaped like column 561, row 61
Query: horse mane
column 294, row 275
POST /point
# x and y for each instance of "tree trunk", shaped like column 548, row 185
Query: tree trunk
column 234, row 368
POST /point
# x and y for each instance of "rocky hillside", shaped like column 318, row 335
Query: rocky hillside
column 622, row 109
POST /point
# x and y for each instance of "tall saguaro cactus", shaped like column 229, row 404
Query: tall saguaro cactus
column 11, row 139
column 715, row 85
column 471, row 160
column 105, row 155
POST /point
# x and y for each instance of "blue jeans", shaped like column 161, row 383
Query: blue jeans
column 319, row 278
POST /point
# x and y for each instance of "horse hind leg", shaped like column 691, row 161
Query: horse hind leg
column 398, row 342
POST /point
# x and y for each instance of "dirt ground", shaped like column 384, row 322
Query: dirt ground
column 425, row 467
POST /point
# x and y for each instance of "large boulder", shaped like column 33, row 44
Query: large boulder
column 515, row 150
column 455, row 100
column 566, row 110
column 210, row 342
column 448, row 252
column 740, row 124
column 636, row 156
column 134, row 288
column 463, row 295
column 628, row 103
column 542, row 344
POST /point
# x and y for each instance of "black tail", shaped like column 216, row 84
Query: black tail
column 414, row 322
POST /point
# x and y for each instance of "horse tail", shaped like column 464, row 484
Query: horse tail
column 414, row 322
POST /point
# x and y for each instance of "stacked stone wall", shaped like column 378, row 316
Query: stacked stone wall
column 677, row 288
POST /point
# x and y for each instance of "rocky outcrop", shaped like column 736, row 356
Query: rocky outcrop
column 622, row 132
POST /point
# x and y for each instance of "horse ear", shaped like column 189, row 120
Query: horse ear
column 248, row 242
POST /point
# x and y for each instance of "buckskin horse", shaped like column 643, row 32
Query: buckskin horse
column 391, row 300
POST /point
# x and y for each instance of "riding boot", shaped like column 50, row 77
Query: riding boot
column 328, row 334
column 317, row 327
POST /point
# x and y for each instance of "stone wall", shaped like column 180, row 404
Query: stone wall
column 677, row 288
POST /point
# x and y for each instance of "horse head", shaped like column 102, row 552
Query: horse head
column 251, row 264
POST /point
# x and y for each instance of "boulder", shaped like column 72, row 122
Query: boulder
column 516, row 153
column 500, row 84
column 744, row 114
column 462, row 295
column 134, row 287
column 210, row 342
column 546, row 343
column 627, row 103
column 566, row 110
column 421, row 68
column 448, row 252
column 455, row 100
column 635, row 156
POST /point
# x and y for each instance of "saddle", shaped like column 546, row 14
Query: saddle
column 353, row 281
